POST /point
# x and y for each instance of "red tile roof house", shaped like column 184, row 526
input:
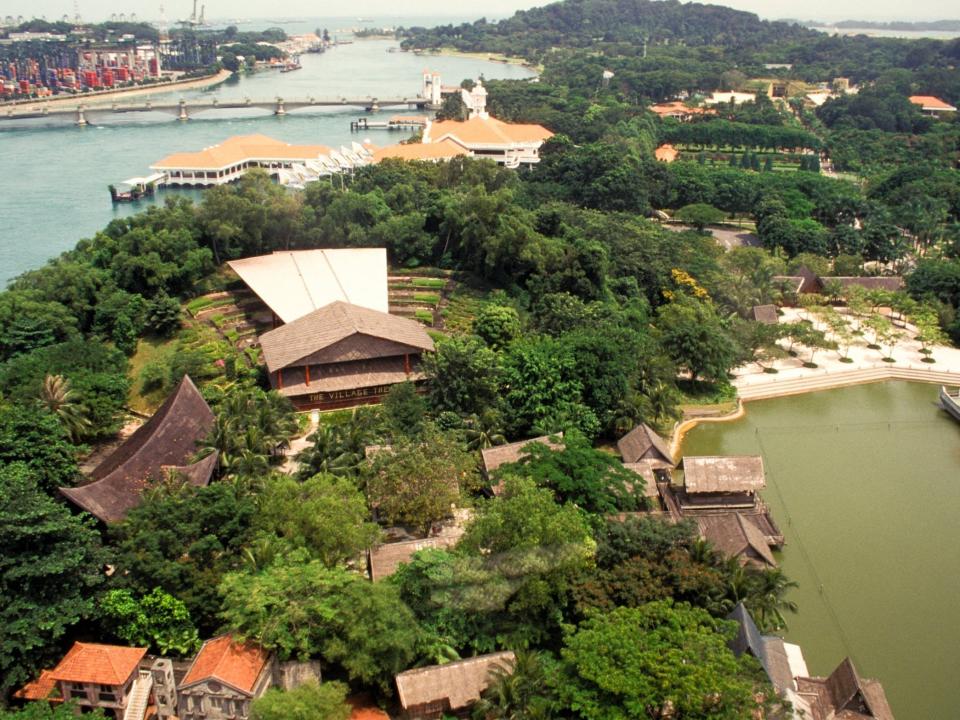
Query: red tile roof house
column 224, row 678
column 99, row 676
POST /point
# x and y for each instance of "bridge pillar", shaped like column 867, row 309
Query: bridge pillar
column 81, row 118
column 374, row 107
column 281, row 110
column 183, row 111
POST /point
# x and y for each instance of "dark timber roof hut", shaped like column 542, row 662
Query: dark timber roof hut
column 845, row 695
column 767, row 649
column 722, row 481
column 494, row 457
column 432, row 691
column 386, row 558
column 343, row 354
column 642, row 443
column 765, row 314
column 734, row 535
column 165, row 442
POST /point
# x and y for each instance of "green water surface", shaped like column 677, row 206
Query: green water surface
column 865, row 484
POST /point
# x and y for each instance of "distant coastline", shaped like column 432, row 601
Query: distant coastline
column 103, row 96
column 932, row 25
column 492, row 57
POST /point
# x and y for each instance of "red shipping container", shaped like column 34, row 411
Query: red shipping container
column 108, row 78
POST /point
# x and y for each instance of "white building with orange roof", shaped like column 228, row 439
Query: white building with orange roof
column 484, row 136
column 931, row 105
column 226, row 676
column 231, row 159
column 101, row 676
column 432, row 152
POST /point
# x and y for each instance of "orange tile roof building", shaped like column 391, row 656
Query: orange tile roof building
column 228, row 161
column 483, row 136
column 99, row 676
column 224, row 678
column 432, row 152
column 932, row 105
column 678, row 110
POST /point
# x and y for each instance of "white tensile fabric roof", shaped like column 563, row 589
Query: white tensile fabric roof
column 297, row 282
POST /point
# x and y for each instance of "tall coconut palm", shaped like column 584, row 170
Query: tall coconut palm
column 767, row 599
column 484, row 431
column 60, row 399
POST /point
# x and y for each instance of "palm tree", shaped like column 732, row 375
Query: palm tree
column 767, row 599
column 484, row 432
column 517, row 692
column 330, row 453
column 631, row 410
column 59, row 398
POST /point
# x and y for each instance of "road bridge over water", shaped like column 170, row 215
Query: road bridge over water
column 185, row 109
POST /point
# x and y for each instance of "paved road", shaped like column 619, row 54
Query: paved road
column 728, row 237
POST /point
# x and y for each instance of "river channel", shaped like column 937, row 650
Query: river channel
column 865, row 484
column 54, row 176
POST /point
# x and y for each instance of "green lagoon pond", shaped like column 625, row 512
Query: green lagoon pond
column 864, row 482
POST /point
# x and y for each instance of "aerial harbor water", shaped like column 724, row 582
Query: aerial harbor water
column 864, row 483
column 54, row 176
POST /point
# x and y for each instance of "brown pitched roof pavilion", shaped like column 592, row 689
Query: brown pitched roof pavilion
column 723, row 474
column 290, row 344
column 494, row 457
column 168, row 439
column 455, row 684
column 643, row 443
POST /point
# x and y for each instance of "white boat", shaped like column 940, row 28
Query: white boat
column 950, row 401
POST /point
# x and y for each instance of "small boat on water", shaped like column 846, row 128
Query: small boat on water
column 136, row 188
column 950, row 401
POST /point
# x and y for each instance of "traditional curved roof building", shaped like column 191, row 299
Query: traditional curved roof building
column 165, row 443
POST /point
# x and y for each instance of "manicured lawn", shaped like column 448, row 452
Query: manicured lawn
column 149, row 350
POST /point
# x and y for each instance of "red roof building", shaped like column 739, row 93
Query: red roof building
column 932, row 105
column 96, row 676
column 225, row 676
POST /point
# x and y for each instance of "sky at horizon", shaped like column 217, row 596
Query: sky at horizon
column 829, row 10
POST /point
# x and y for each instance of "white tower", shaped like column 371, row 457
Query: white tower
column 164, row 688
column 476, row 100
column 431, row 89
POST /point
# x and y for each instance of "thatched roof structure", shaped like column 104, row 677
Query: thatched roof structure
column 643, row 443
column 494, row 457
column 452, row 686
column 341, row 332
column 385, row 559
column 768, row 650
column 734, row 535
column 723, row 474
column 166, row 441
column 645, row 469
column 765, row 314
column 845, row 695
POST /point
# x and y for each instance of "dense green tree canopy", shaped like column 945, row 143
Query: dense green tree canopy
column 51, row 565
column 657, row 661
